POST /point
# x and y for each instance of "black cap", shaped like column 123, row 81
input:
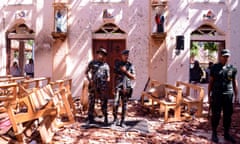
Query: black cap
column 125, row 52
column 103, row 51
column 225, row 52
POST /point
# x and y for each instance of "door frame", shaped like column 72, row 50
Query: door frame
column 20, row 32
column 112, row 57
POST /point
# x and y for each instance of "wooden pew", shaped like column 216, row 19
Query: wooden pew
column 28, row 85
column 172, row 101
column 35, row 82
column 192, row 96
column 153, row 90
column 62, row 88
column 8, row 94
column 11, row 79
column 5, row 76
column 36, row 112
column 167, row 97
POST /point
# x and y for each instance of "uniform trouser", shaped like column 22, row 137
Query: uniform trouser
column 91, row 103
column 104, row 100
column 119, row 95
column 221, row 102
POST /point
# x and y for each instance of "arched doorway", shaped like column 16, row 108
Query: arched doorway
column 113, row 39
column 206, row 43
column 19, row 45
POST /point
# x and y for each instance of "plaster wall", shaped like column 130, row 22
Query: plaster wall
column 86, row 17
column 185, row 17
column 43, row 26
column 38, row 15
column 234, row 29
column 158, row 60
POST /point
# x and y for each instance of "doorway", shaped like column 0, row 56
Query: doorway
column 20, row 51
column 114, row 48
column 205, row 53
column 19, row 46
column 206, row 43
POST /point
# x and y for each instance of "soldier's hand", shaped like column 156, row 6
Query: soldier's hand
column 124, row 91
column 209, row 100
column 123, row 69
column 91, row 82
column 236, row 99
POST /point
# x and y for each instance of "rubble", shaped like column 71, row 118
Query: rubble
column 194, row 131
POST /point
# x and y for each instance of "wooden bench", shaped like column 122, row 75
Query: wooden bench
column 171, row 101
column 11, row 79
column 35, row 82
column 167, row 97
column 62, row 88
column 8, row 94
column 27, row 85
column 153, row 90
column 32, row 111
column 192, row 97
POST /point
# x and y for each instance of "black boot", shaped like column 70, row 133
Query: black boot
column 115, row 120
column 105, row 120
column 122, row 124
column 228, row 137
column 214, row 137
column 115, row 115
column 90, row 120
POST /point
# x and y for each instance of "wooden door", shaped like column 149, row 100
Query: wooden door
column 114, row 48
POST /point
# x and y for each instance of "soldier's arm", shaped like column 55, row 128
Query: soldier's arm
column 235, row 89
column 210, row 85
column 87, row 72
column 108, row 73
column 128, row 73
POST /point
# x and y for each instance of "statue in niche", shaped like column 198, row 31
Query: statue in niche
column 107, row 14
column 61, row 21
column 209, row 15
column 159, row 19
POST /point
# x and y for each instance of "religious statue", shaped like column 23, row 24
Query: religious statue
column 61, row 21
column 159, row 19
column 107, row 14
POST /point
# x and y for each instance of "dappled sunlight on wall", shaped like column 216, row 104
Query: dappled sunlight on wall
column 40, row 16
column 79, row 42
column 158, row 60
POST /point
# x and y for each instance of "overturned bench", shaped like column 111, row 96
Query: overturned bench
column 64, row 100
column 30, row 112
column 8, row 94
column 27, row 85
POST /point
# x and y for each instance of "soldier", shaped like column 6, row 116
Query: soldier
column 123, row 88
column 98, row 74
column 222, row 85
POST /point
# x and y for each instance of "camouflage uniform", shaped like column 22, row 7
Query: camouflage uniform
column 99, row 74
column 123, row 88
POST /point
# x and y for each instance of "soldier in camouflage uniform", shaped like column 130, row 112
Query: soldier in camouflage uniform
column 125, row 72
column 98, row 74
column 222, row 85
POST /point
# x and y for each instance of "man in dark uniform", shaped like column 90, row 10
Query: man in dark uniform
column 125, row 72
column 98, row 74
column 222, row 85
